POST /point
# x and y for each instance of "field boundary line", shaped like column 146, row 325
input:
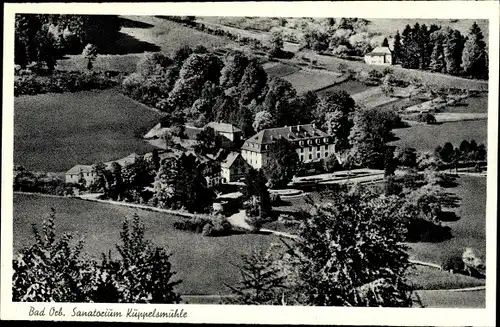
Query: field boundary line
column 465, row 289
column 428, row 264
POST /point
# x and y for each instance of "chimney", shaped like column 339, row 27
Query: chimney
column 291, row 128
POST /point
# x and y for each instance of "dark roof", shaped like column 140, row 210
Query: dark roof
column 380, row 51
column 291, row 133
column 223, row 127
column 230, row 159
column 191, row 132
column 79, row 169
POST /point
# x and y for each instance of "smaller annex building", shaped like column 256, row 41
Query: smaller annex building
column 379, row 56
column 234, row 167
column 87, row 171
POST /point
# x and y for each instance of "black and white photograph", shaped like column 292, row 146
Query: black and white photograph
column 329, row 161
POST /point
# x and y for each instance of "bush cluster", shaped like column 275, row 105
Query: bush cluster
column 62, row 81
column 217, row 225
column 53, row 270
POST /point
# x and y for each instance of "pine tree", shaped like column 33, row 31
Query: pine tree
column 425, row 47
column 474, row 56
column 385, row 43
column 438, row 63
column 405, row 40
column 397, row 48
column 453, row 47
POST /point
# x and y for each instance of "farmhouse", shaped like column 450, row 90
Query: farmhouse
column 227, row 130
column 80, row 171
column 379, row 56
column 234, row 167
column 311, row 144
column 87, row 171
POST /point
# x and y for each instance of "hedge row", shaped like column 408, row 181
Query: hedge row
column 61, row 81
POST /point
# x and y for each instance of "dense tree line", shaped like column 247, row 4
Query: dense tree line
column 202, row 87
column 442, row 50
column 43, row 38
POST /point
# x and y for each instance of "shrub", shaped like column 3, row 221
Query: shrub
column 208, row 229
column 375, row 74
column 255, row 221
column 62, row 82
column 387, row 71
column 194, row 224
column 288, row 220
column 217, row 225
column 426, row 118
column 453, row 263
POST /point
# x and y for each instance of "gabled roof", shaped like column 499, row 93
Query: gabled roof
column 223, row 127
column 79, row 169
column 123, row 161
column 154, row 132
column 192, row 132
column 291, row 133
column 379, row 51
column 230, row 159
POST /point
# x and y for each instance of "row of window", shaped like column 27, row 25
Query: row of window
column 318, row 148
column 318, row 156
column 301, row 143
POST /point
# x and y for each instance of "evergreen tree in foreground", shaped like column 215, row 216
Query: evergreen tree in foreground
column 474, row 56
column 348, row 253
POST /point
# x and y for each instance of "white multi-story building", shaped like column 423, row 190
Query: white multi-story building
column 310, row 143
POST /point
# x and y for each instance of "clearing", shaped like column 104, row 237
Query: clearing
column 427, row 137
column 350, row 86
column 312, row 79
column 203, row 263
column 84, row 128
column 468, row 231
column 141, row 34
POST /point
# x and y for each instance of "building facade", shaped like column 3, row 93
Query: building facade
column 234, row 167
column 379, row 56
column 75, row 174
column 227, row 130
column 87, row 171
column 311, row 144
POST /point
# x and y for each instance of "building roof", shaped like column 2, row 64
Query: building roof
column 380, row 51
column 291, row 133
column 79, row 169
column 154, row 132
column 223, row 127
column 123, row 161
column 230, row 159
column 192, row 132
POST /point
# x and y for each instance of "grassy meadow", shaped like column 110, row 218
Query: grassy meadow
column 203, row 263
column 468, row 231
column 428, row 137
column 54, row 132
column 141, row 34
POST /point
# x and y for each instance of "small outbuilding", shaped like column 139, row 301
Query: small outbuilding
column 379, row 56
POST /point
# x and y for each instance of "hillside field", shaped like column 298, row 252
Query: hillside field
column 142, row 34
column 54, row 132
column 468, row 231
column 203, row 263
column 428, row 137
